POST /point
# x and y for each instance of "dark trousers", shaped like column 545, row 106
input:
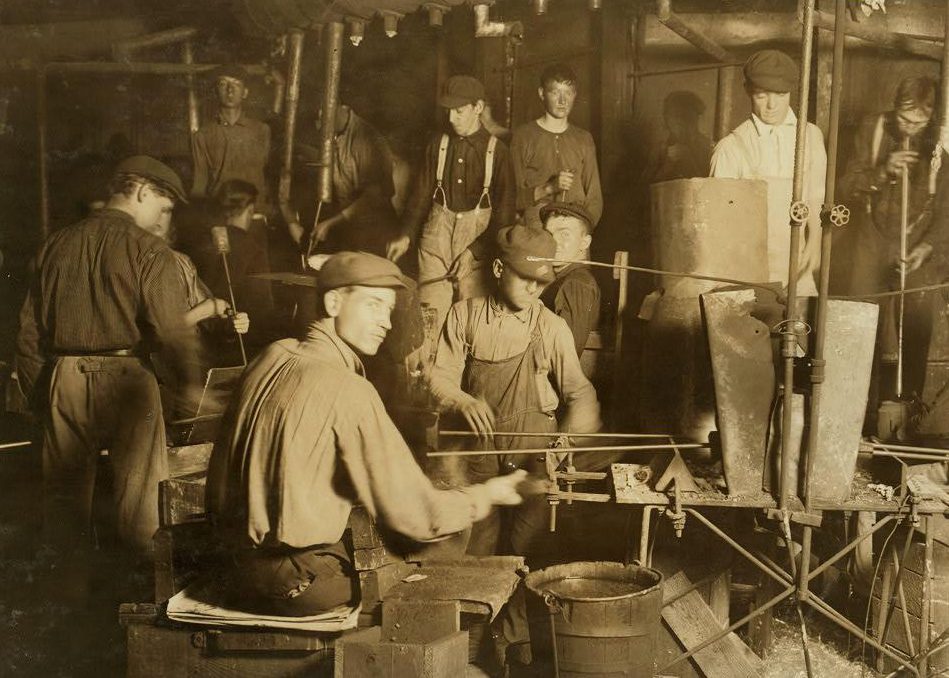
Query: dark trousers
column 292, row 582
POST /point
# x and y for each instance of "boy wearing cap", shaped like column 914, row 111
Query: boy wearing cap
column 507, row 363
column 574, row 294
column 305, row 437
column 105, row 291
column 233, row 146
column 463, row 195
column 553, row 159
column 762, row 147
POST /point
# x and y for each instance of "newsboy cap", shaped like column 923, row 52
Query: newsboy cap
column 516, row 244
column 771, row 70
column 460, row 90
column 573, row 209
column 358, row 268
column 156, row 172
column 235, row 71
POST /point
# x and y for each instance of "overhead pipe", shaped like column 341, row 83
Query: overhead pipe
column 485, row 28
column 436, row 13
column 674, row 22
column 138, row 67
column 122, row 49
column 295, row 57
column 357, row 30
column 881, row 36
column 187, row 57
column 390, row 22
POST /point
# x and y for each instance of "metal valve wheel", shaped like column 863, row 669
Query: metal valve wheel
column 840, row 215
column 800, row 211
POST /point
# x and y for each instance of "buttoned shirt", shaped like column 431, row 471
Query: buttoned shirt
column 757, row 150
column 223, row 151
column 306, row 436
column 100, row 285
column 463, row 182
column 497, row 334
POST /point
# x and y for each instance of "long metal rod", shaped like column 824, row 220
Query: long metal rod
column 533, row 434
column 10, row 446
column 849, row 547
column 881, row 36
column 673, row 22
column 542, row 450
column 230, row 291
column 826, row 240
column 645, row 72
column 724, row 536
column 42, row 151
column 138, row 67
column 757, row 612
column 187, row 57
column 332, row 55
column 926, row 611
column 904, row 235
column 789, row 338
column 834, row 616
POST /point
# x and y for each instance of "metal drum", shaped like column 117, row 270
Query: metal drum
column 595, row 619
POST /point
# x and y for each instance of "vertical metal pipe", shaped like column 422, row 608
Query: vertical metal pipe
column 187, row 57
column 823, row 289
column 789, row 342
column 290, row 124
column 944, row 123
column 41, row 139
column 723, row 97
column 924, row 613
column 333, row 44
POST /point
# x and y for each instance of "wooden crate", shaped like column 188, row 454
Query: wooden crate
column 364, row 654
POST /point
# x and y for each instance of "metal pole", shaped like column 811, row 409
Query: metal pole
column 41, row 140
column 531, row 434
column 541, row 450
column 901, row 311
column 290, row 122
column 823, row 290
column 789, row 338
column 187, row 57
column 924, row 614
column 333, row 56
column 230, row 291
column 673, row 22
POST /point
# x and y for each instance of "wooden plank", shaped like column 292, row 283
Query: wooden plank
column 373, row 559
column 180, row 501
column 420, row 621
column 366, row 534
column 373, row 584
column 692, row 621
column 189, row 460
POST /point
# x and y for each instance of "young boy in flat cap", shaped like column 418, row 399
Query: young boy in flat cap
column 233, row 146
column 305, row 437
column 463, row 195
column 555, row 160
column 762, row 147
column 574, row 294
column 106, row 293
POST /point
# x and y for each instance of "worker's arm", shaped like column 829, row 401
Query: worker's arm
column 862, row 174
column 576, row 391
column 450, row 359
column 199, row 156
column 30, row 357
column 591, row 180
column 727, row 161
column 389, row 482
column 419, row 204
column 578, row 303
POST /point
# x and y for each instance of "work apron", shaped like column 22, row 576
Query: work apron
column 780, row 197
column 444, row 275
column 511, row 388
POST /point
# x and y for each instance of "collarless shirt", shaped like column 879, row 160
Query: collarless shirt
column 304, row 438
column 498, row 334
column 223, row 151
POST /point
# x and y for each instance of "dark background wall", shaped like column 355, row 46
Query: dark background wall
column 392, row 82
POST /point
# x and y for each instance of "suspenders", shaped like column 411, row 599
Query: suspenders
column 488, row 170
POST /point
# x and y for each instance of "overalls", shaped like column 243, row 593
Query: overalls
column 511, row 388
column 446, row 236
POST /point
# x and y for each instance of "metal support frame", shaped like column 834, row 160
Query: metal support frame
column 801, row 587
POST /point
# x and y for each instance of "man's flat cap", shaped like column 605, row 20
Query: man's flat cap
column 358, row 268
column 771, row 70
column 518, row 244
column 460, row 90
column 235, row 71
column 156, row 172
column 573, row 209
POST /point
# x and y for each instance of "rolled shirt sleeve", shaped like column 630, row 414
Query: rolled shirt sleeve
column 450, row 358
column 579, row 397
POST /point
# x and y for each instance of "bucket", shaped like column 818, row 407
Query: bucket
column 594, row 619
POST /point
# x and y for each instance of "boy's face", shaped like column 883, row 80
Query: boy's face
column 466, row 119
column 770, row 107
column 231, row 92
column 515, row 291
column 558, row 98
column 571, row 237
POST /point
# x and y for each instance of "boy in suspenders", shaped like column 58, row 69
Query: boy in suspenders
column 464, row 194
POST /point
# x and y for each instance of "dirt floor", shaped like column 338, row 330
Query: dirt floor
column 834, row 653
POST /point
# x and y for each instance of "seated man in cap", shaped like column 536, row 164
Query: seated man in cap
column 233, row 146
column 105, row 294
column 762, row 147
column 574, row 294
column 504, row 364
column 553, row 158
column 305, row 437
column 463, row 195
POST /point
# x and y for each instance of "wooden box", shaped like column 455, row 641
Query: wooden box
column 363, row 654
